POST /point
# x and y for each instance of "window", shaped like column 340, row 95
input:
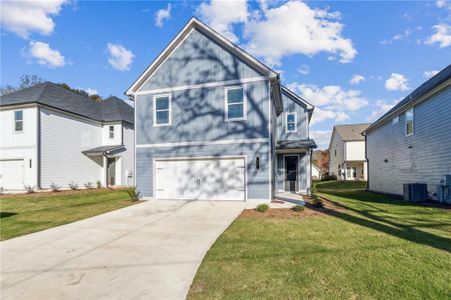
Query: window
column 335, row 151
column 348, row 172
column 162, row 110
column 409, row 122
column 235, row 108
column 395, row 120
column 18, row 121
column 111, row 131
column 290, row 122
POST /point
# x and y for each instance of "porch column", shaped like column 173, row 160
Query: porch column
column 345, row 173
column 365, row 171
column 104, row 171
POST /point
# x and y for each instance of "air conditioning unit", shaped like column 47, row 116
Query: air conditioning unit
column 415, row 192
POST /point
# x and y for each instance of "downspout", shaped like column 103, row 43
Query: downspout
column 311, row 153
column 38, row 149
column 367, row 165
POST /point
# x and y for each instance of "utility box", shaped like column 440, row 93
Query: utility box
column 415, row 192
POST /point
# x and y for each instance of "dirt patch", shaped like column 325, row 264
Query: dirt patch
column 286, row 213
column 60, row 193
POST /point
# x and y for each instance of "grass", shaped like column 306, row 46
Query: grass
column 23, row 214
column 377, row 248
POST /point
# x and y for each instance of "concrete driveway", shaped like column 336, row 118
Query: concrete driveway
column 147, row 251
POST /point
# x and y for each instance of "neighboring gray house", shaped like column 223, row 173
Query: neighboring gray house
column 214, row 123
column 411, row 143
column 49, row 134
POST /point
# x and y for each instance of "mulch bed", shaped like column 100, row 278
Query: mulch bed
column 59, row 193
column 285, row 213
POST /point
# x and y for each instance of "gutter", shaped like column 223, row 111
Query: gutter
column 367, row 165
column 38, row 149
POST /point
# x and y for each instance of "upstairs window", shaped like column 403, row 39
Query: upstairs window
column 235, row 104
column 18, row 121
column 409, row 122
column 162, row 110
column 290, row 122
column 111, row 132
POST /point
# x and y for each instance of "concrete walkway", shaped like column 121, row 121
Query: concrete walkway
column 151, row 250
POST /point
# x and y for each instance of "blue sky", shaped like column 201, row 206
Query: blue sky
column 389, row 48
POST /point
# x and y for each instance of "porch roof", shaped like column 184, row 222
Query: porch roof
column 297, row 144
column 104, row 150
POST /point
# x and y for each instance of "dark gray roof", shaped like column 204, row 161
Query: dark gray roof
column 53, row 95
column 309, row 144
column 352, row 132
column 104, row 149
column 429, row 85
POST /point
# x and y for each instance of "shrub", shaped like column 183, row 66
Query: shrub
column 316, row 201
column 133, row 193
column 98, row 184
column 54, row 187
column 298, row 208
column 88, row 185
column 29, row 189
column 328, row 177
column 262, row 208
column 73, row 185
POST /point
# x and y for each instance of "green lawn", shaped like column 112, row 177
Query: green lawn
column 377, row 248
column 22, row 214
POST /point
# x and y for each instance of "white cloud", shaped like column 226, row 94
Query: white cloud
column 331, row 97
column 90, row 91
column 356, row 79
column 221, row 15
column 442, row 36
column 381, row 108
column 304, row 69
column 27, row 16
column 119, row 57
column 295, row 28
column 429, row 74
column 397, row 82
column 397, row 37
column 162, row 14
column 45, row 55
column 442, row 4
column 320, row 115
column 321, row 137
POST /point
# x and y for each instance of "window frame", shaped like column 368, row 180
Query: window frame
column 111, row 132
column 155, row 97
column 15, row 121
column 295, row 122
column 407, row 121
column 226, row 104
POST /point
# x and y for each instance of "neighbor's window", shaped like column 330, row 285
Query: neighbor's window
column 18, row 121
column 235, row 104
column 409, row 122
column 111, row 131
column 290, row 122
column 395, row 120
column 162, row 110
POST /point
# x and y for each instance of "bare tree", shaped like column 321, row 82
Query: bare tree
column 25, row 81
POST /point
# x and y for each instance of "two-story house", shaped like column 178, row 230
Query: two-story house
column 347, row 152
column 411, row 143
column 214, row 123
column 49, row 134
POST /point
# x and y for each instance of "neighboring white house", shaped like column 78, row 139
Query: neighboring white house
column 347, row 152
column 316, row 172
column 49, row 134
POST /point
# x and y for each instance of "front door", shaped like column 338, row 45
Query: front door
column 111, row 171
column 291, row 174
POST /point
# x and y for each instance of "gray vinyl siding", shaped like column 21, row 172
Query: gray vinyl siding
column 423, row 157
column 199, row 60
column 303, row 172
column 290, row 105
column 258, row 181
column 199, row 115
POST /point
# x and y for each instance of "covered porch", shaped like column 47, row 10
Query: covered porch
column 111, row 163
column 293, row 167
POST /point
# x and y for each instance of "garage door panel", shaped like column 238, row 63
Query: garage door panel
column 12, row 174
column 202, row 179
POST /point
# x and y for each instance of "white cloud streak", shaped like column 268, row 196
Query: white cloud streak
column 119, row 57
column 442, row 36
column 397, row 82
column 356, row 79
column 45, row 55
column 162, row 15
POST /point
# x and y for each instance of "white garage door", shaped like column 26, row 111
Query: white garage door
column 12, row 174
column 201, row 179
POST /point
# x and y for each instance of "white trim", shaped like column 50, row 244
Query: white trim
column 203, row 85
column 270, row 153
column 169, row 96
column 203, row 143
column 134, row 142
column 154, row 160
column 180, row 37
column 295, row 122
column 405, row 122
column 298, row 175
column 15, row 121
column 226, row 104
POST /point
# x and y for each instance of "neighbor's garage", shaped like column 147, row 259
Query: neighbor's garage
column 200, row 179
column 12, row 174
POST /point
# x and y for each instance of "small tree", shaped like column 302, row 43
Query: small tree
column 133, row 193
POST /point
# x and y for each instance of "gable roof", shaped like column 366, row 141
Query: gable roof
column 351, row 132
column 441, row 78
column 55, row 96
column 194, row 23
column 299, row 100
